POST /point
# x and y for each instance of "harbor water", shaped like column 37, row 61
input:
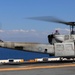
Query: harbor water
column 16, row 54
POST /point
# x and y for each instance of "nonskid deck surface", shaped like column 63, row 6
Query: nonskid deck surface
column 39, row 65
column 39, row 69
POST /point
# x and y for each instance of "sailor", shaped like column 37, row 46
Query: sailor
column 56, row 32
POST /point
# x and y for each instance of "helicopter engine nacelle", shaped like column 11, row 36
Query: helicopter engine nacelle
column 55, row 38
column 59, row 37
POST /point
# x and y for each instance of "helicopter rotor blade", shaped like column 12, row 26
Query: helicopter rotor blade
column 49, row 19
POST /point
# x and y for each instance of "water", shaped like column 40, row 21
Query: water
column 16, row 54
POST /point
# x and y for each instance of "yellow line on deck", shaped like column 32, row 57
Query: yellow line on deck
column 36, row 67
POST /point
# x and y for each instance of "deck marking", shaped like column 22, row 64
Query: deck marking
column 36, row 67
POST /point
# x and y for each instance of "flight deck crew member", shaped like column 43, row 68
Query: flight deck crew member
column 56, row 32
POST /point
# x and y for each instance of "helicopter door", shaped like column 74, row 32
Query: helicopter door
column 64, row 49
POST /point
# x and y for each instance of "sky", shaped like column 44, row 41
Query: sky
column 14, row 25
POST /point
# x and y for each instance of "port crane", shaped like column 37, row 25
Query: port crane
column 59, row 45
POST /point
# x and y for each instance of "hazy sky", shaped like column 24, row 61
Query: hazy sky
column 14, row 26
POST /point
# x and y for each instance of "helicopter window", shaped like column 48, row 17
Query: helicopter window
column 66, row 37
column 60, row 47
column 69, row 47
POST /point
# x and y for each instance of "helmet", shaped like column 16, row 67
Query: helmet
column 56, row 31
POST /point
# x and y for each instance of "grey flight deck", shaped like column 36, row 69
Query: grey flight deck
column 56, row 71
column 45, row 71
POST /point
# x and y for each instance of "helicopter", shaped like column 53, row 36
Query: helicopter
column 58, row 38
column 62, row 46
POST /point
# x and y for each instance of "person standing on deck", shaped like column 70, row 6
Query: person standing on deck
column 56, row 32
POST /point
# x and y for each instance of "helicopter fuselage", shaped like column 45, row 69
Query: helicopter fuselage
column 64, row 49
